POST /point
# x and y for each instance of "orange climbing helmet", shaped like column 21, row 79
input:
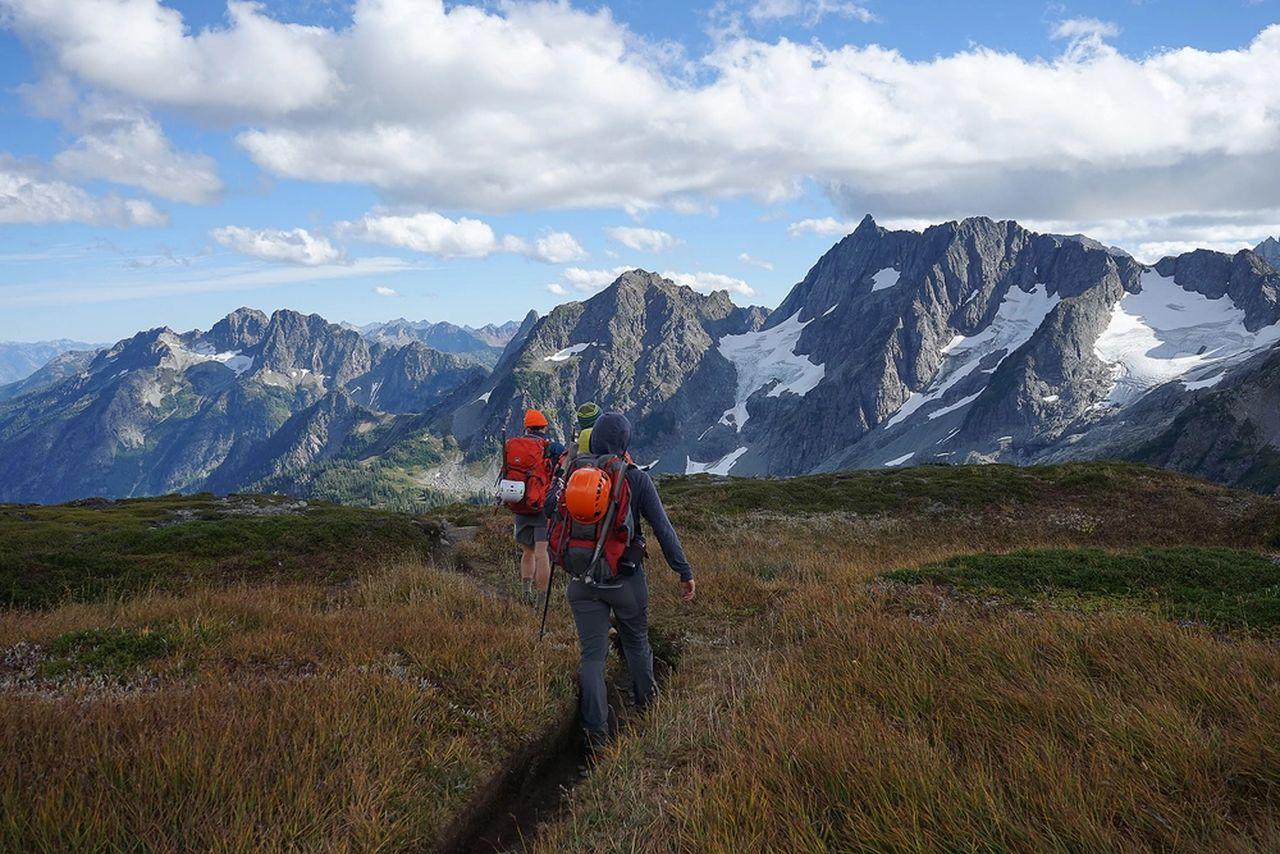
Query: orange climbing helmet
column 533, row 419
column 586, row 495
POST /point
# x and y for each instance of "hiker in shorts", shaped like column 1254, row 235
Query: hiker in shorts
column 531, row 528
column 628, row 598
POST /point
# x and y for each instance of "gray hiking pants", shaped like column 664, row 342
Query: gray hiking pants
column 591, row 605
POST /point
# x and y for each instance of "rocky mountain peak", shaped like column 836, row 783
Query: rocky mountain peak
column 294, row 342
column 1269, row 250
column 240, row 330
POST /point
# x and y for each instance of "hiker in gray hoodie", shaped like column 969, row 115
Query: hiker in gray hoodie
column 628, row 601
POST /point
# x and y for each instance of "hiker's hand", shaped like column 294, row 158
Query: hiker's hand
column 687, row 588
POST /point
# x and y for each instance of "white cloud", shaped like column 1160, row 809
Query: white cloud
column 125, row 146
column 384, row 291
column 558, row 247
column 810, row 12
column 557, row 289
column 746, row 258
column 1085, row 28
column 167, row 282
column 827, row 226
column 435, row 234
column 417, row 101
column 589, row 281
column 642, row 239
column 28, row 197
column 427, row 232
column 143, row 49
column 297, row 245
column 1151, row 239
column 708, row 282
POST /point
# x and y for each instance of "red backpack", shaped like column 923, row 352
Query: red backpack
column 596, row 552
column 526, row 474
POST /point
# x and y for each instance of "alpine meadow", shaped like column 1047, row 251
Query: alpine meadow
column 751, row 425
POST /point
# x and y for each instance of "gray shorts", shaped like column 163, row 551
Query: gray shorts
column 530, row 528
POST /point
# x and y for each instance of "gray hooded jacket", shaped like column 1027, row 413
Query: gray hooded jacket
column 612, row 435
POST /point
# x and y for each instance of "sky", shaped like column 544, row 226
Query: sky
column 163, row 163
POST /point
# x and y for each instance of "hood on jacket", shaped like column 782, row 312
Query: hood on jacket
column 611, row 434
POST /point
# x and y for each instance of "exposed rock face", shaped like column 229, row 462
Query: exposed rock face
column 971, row 341
column 1230, row 434
column 644, row 346
column 483, row 345
column 406, row 378
column 1269, row 251
column 163, row 412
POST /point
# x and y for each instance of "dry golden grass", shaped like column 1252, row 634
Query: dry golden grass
column 814, row 711
column 294, row 715
column 814, row 707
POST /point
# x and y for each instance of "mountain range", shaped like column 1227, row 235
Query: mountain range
column 20, row 359
column 969, row 342
column 483, row 345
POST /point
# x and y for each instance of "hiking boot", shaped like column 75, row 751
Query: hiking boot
column 595, row 740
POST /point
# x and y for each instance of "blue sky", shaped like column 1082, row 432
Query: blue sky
column 162, row 164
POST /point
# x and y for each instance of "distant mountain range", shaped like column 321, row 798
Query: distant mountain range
column 973, row 341
column 21, row 359
column 484, row 345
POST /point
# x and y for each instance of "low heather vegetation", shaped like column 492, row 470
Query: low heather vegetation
column 943, row 658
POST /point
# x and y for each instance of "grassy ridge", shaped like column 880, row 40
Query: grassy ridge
column 1225, row 588
column 355, row 704
column 817, row 708
column 88, row 550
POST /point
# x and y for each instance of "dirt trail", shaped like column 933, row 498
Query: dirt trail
column 534, row 785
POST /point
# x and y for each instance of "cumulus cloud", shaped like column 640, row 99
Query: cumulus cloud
column 745, row 258
column 27, row 196
column 417, row 100
column 642, row 239
column 297, row 246
column 557, row 247
column 557, row 289
column 384, row 291
column 436, row 234
column 143, row 49
column 591, row 280
column 426, row 232
column 827, row 226
column 126, row 146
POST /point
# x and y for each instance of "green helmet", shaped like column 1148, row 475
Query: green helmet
column 587, row 415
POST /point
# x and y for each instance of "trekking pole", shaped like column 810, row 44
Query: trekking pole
column 546, row 603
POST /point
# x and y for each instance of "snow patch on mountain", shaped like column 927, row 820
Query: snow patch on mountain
column 720, row 466
column 768, row 356
column 897, row 461
column 1018, row 317
column 567, row 353
column 884, row 279
column 1165, row 333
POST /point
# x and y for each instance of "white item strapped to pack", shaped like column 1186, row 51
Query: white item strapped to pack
column 510, row 491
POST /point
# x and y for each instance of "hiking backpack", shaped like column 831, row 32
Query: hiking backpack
column 526, row 474
column 596, row 552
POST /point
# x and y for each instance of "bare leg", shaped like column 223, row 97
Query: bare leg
column 527, row 562
column 541, row 567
